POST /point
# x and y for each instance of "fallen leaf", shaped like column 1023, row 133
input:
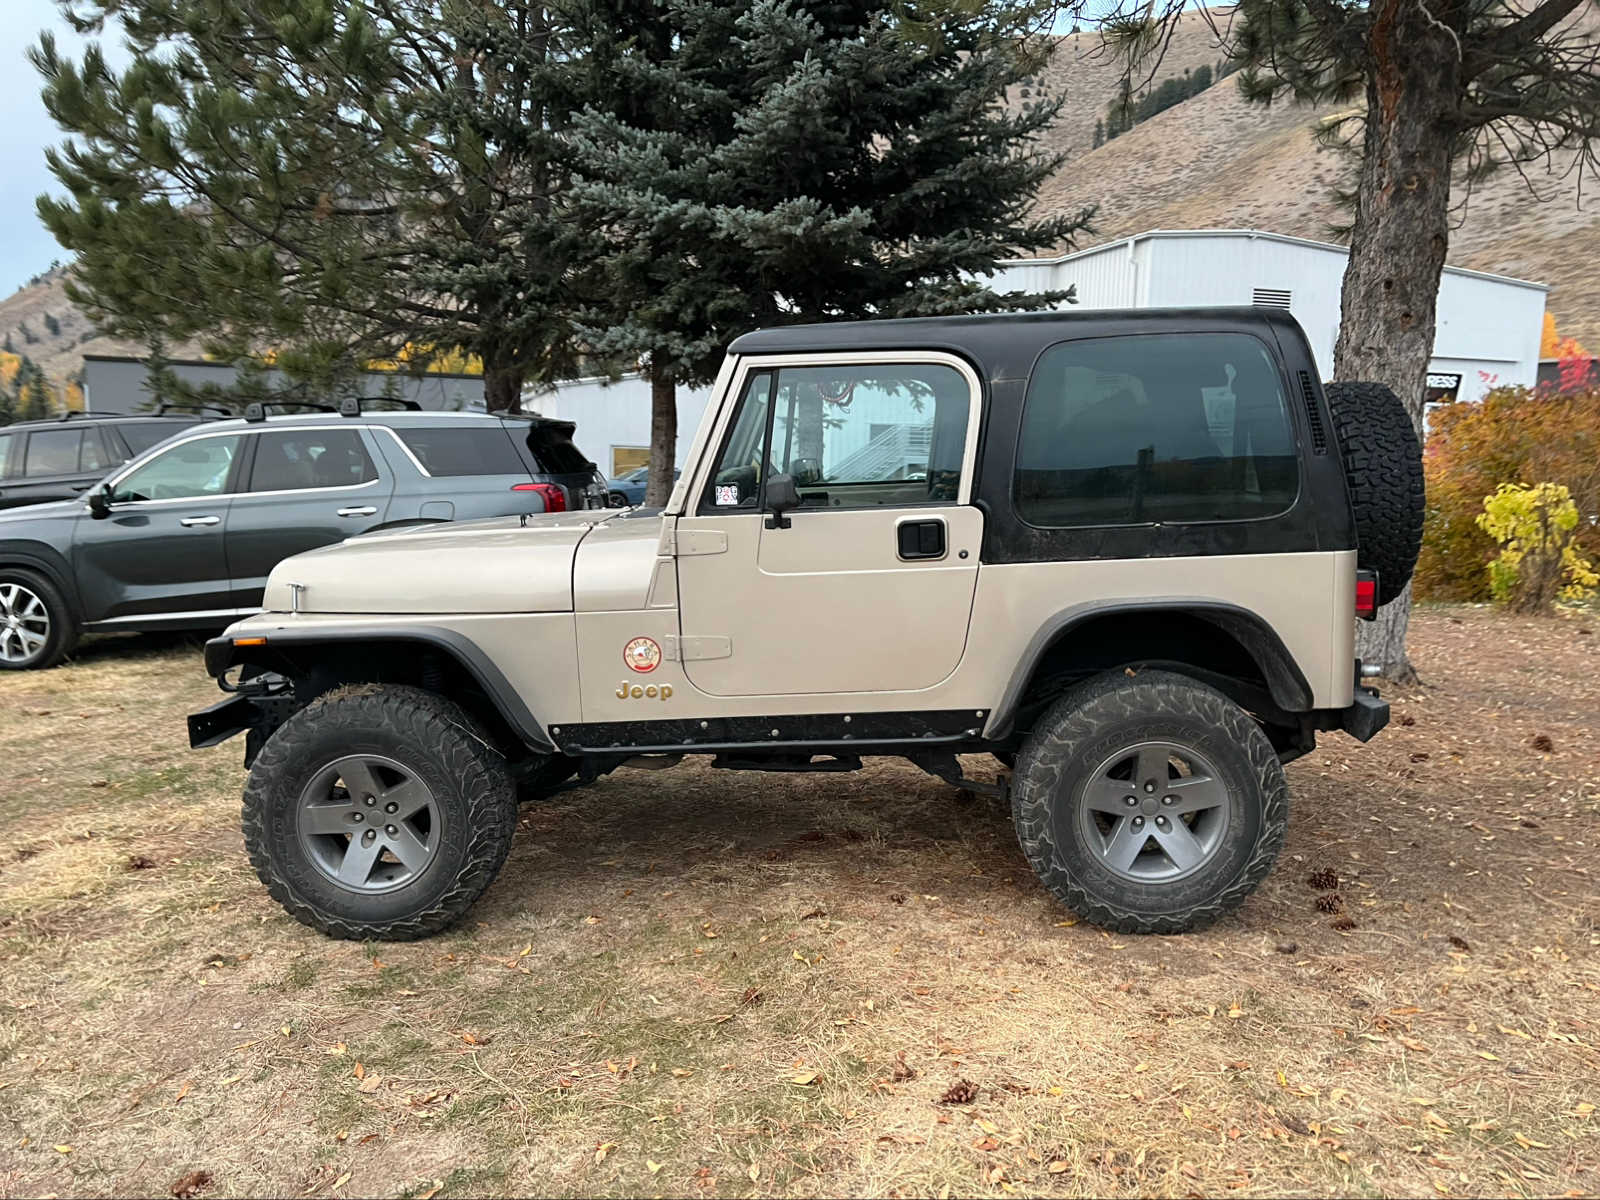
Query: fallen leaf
column 653, row 1165
column 1058, row 1166
column 370, row 1084
column 340, row 1182
column 603, row 1149
column 183, row 1091
column 755, row 1172
column 438, row 1186
column 682, row 1072
column 62, row 1148
column 804, row 1078
column 191, row 1185
column 360, row 1072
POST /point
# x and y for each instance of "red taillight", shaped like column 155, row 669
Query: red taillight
column 555, row 500
column 1366, row 595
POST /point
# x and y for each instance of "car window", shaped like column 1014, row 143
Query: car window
column 737, row 480
column 1131, row 430
column 198, row 467
column 861, row 436
column 52, row 452
column 7, row 440
column 141, row 435
column 293, row 459
column 485, row 450
column 93, row 454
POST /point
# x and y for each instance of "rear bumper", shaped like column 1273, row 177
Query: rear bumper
column 1365, row 716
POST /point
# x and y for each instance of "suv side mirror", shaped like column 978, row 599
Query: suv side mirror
column 100, row 502
column 782, row 495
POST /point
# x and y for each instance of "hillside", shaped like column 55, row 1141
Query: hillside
column 1214, row 161
column 1211, row 161
column 40, row 322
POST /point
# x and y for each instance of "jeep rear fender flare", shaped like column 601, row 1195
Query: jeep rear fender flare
column 221, row 654
column 1285, row 681
column 46, row 561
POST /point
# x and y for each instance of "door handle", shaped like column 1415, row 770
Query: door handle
column 921, row 539
column 191, row 522
column 358, row 510
column 81, row 487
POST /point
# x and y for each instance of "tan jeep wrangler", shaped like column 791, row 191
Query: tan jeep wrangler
column 1123, row 553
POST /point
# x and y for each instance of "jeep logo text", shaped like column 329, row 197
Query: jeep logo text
column 642, row 691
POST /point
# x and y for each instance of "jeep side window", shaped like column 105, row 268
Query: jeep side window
column 857, row 436
column 194, row 468
column 1141, row 430
column 737, row 479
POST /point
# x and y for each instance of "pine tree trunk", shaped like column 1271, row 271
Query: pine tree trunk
column 502, row 389
column 663, row 432
column 1397, row 250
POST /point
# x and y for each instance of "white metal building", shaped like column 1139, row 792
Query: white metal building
column 1488, row 325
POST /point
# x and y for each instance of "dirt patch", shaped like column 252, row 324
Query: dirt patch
column 698, row 983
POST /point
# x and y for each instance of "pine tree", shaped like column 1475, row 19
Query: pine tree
column 328, row 180
column 760, row 162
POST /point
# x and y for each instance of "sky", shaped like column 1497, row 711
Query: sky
column 26, row 247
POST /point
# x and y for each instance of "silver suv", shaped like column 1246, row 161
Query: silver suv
column 185, row 535
column 1123, row 553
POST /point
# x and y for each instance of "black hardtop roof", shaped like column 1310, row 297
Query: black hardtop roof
column 997, row 338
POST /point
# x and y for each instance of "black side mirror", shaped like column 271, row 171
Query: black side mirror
column 782, row 495
column 100, row 502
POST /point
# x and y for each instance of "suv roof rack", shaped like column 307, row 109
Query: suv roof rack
column 257, row 410
column 353, row 406
column 198, row 408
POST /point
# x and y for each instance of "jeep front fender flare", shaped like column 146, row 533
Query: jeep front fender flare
column 221, row 653
column 1285, row 681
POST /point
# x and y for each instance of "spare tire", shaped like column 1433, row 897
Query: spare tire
column 1383, row 466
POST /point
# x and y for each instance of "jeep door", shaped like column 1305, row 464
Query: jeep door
column 307, row 486
column 157, row 557
column 868, row 586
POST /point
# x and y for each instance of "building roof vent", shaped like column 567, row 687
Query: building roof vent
column 1270, row 297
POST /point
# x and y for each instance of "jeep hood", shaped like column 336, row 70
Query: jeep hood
column 498, row 565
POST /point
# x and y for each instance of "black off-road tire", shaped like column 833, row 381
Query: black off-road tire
column 433, row 738
column 63, row 632
column 1383, row 467
column 1095, row 721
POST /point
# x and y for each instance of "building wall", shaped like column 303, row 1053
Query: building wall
column 615, row 416
column 121, row 385
column 1488, row 326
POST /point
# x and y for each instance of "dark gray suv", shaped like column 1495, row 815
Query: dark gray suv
column 183, row 537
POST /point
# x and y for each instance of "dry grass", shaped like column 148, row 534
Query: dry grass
column 694, row 982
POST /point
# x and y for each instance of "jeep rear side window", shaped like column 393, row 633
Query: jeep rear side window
column 1141, row 430
column 483, row 451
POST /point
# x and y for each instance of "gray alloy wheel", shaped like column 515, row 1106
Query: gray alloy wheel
column 1149, row 802
column 369, row 823
column 24, row 623
column 1154, row 812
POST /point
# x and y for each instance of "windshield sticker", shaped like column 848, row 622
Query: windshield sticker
column 728, row 494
